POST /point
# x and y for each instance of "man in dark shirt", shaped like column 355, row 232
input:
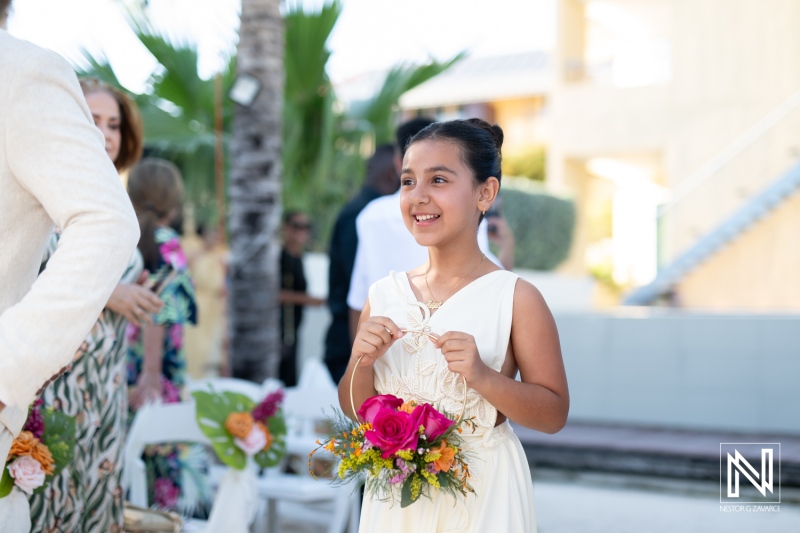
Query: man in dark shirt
column 381, row 179
column 293, row 296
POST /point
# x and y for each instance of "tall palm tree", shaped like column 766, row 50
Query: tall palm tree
column 255, row 196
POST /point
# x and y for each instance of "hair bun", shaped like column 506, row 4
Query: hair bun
column 495, row 131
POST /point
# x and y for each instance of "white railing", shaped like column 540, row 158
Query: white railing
column 719, row 162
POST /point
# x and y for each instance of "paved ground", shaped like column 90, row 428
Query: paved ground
column 609, row 503
column 606, row 503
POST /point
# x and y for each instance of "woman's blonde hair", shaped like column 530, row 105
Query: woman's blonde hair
column 131, row 131
column 156, row 191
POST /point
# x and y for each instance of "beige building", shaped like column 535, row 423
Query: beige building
column 510, row 90
column 675, row 124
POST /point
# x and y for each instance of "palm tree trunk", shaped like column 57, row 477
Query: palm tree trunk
column 255, row 199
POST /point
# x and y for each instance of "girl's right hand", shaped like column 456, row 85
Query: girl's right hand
column 373, row 339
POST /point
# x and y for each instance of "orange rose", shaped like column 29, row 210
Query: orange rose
column 448, row 455
column 239, row 424
column 23, row 444
column 263, row 428
column 42, row 454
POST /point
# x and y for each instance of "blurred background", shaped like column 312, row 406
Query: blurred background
column 651, row 175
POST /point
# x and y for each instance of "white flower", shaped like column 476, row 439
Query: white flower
column 27, row 473
column 253, row 443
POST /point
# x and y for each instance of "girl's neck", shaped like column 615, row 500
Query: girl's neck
column 453, row 260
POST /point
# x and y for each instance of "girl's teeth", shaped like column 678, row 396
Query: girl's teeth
column 422, row 218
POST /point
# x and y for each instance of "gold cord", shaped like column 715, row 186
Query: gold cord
column 433, row 303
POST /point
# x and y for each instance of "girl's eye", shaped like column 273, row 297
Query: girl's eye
column 439, row 179
column 406, row 181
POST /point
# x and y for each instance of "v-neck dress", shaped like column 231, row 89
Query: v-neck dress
column 413, row 369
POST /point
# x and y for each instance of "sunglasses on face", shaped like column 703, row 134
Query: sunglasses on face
column 300, row 226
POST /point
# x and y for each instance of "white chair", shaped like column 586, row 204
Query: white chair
column 299, row 496
column 157, row 424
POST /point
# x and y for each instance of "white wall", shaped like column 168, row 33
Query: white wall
column 679, row 369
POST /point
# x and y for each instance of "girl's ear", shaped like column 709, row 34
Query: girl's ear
column 488, row 193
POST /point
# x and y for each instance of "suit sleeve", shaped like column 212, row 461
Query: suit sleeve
column 56, row 153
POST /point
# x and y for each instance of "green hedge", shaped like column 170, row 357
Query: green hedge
column 543, row 226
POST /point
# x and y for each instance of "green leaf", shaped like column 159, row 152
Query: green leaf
column 405, row 494
column 212, row 410
column 59, row 437
column 277, row 428
column 6, row 483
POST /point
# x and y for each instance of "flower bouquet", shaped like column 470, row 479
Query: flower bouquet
column 403, row 446
column 238, row 428
column 43, row 448
column 243, row 435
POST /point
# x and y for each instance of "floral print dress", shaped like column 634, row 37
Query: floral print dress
column 165, row 463
column 87, row 495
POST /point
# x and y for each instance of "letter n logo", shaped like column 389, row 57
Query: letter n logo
column 739, row 465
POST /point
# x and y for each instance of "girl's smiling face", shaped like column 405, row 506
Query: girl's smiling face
column 439, row 196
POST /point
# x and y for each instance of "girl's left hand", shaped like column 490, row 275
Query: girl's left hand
column 461, row 353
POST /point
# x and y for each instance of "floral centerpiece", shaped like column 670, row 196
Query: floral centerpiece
column 239, row 428
column 43, row 448
column 400, row 446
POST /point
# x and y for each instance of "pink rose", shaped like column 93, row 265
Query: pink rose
column 434, row 422
column 393, row 431
column 372, row 405
column 253, row 443
column 27, row 473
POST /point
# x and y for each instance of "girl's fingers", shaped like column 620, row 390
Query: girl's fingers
column 372, row 341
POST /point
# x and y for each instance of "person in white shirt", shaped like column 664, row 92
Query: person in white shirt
column 385, row 244
column 53, row 169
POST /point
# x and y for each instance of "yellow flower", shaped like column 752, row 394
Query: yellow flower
column 239, row 424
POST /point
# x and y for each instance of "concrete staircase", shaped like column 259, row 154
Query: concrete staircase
column 748, row 215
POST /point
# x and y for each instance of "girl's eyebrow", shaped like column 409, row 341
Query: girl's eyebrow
column 439, row 168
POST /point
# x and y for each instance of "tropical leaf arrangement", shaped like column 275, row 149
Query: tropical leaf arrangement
column 43, row 448
column 401, row 449
column 238, row 428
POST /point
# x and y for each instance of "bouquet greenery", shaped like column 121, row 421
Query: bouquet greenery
column 43, row 448
column 400, row 444
column 238, row 428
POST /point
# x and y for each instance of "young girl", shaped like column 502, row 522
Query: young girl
column 487, row 324
column 156, row 358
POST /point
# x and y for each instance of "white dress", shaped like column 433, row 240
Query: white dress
column 413, row 369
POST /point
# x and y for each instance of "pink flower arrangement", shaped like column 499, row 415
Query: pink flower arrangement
column 418, row 445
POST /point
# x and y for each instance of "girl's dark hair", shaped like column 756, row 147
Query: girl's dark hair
column 479, row 142
column 156, row 189
column 131, row 131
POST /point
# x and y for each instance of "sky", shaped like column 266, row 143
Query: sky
column 370, row 35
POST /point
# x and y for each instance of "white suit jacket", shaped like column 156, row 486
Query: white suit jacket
column 53, row 168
